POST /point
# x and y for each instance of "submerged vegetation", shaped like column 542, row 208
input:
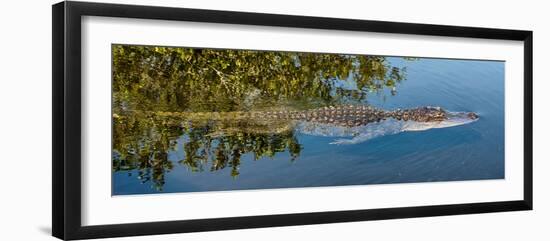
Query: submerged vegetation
column 149, row 81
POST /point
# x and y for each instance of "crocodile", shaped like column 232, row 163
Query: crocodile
column 359, row 115
column 362, row 122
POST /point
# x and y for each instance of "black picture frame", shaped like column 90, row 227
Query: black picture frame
column 66, row 58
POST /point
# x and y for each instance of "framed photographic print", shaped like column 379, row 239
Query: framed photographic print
column 170, row 120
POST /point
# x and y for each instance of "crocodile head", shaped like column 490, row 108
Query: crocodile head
column 438, row 114
column 425, row 118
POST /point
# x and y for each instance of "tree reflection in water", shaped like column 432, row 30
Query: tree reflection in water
column 149, row 81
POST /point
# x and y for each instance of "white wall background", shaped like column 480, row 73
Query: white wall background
column 25, row 123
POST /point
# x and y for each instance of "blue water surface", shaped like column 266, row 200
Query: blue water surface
column 468, row 152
